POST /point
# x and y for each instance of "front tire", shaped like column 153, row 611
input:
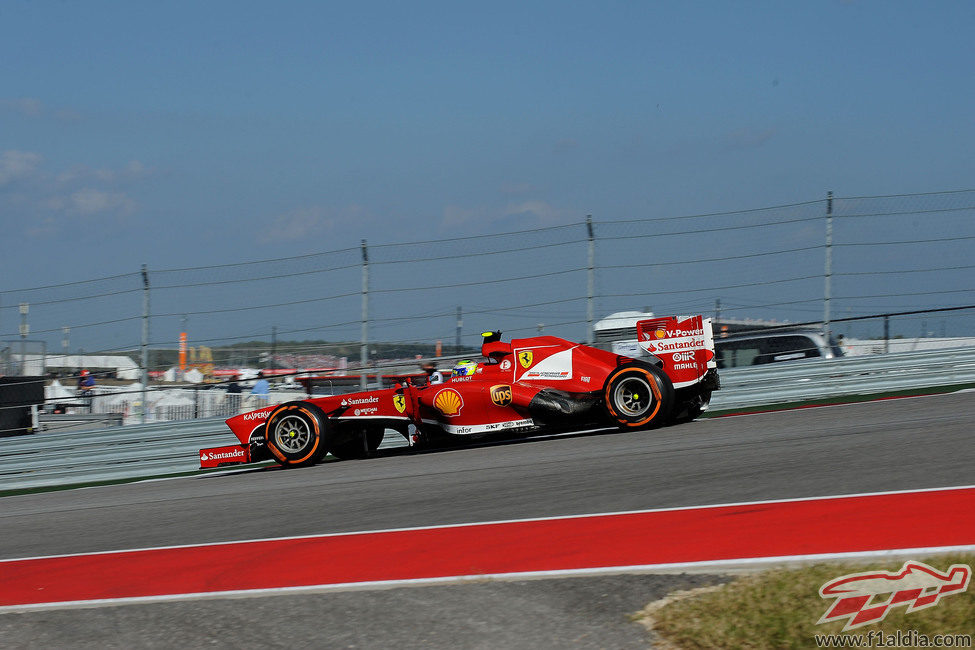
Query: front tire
column 639, row 396
column 297, row 434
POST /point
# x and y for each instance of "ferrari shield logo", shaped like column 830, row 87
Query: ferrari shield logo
column 525, row 358
column 399, row 401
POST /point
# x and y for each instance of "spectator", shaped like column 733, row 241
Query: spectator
column 86, row 386
column 261, row 387
column 233, row 396
column 85, row 382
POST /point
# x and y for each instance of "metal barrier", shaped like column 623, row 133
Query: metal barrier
column 817, row 379
column 51, row 459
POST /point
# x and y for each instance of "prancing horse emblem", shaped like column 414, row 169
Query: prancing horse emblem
column 399, row 401
column 525, row 358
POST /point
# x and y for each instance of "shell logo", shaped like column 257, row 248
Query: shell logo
column 449, row 402
column 660, row 333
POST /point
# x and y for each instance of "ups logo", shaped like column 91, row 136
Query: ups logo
column 501, row 395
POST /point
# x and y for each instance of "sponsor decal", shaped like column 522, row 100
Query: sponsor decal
column 370, row 399
column 685, row 347
column 865, row 598
column 257, row 415
column 510, row 425
column 236, row 453
column 399, row 401
column 675, row 345
column 525, row 358
column 368, row 411
column 506, row 364
column 554, row 375
column 223, row 455
column 449, row 402
column 627, row 348
column 586, row 380
column 557, row 367
column 501, row 395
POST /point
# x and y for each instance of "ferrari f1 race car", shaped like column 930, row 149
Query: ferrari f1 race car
column 533, row 385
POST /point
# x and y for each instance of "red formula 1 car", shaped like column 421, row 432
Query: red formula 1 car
column 538, row 384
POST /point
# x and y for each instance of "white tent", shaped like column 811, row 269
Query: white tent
column 56, row 392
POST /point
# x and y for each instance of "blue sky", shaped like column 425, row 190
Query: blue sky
column 186, row 133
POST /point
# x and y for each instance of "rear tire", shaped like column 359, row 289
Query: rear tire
column 639, row 396
column 297, row 434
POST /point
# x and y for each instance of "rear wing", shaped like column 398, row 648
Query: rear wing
column 684, row 344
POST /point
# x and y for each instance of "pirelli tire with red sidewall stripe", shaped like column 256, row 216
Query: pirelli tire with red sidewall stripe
column 297, row 434
column 639, row 396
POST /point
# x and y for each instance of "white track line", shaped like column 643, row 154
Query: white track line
column 501, row 521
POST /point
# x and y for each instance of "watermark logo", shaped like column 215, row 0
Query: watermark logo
column 865, row 598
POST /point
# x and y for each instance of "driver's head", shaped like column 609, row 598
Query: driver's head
column 464, row 368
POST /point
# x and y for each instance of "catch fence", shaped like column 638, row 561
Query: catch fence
column 831, row 262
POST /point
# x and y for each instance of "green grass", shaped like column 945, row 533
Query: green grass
column 779, row 609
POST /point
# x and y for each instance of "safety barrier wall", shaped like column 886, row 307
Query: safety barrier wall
column 818, row 379
column 51, row 459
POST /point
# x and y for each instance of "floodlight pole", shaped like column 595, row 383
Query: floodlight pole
column 145, row 342
column 591, row 278
column 828, row 279
column 24, row 330
column 460, row 324
column 364, row 347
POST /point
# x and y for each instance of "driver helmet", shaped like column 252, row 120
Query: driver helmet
column 465, row 368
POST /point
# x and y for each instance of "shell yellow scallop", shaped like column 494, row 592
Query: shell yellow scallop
column 449, row 402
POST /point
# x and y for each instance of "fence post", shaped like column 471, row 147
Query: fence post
column 364, row 348
column 145, row 342
column 886, row 333
column 460, row 324
column 592, row 280
column 828, row 286
column 24, row 331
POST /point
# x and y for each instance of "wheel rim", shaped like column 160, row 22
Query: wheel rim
column 633, row 396
column 292, row 433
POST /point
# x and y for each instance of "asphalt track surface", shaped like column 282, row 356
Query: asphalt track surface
column 880, row 446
